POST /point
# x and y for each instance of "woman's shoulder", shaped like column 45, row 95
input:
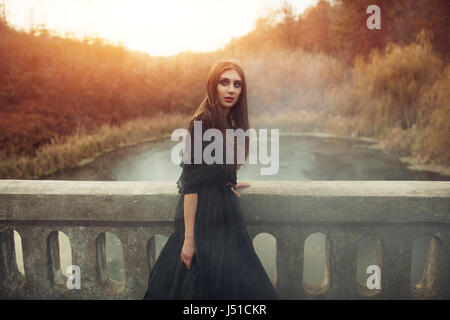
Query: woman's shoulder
column 205, row 118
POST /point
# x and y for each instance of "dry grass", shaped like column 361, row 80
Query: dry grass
column 75, row 150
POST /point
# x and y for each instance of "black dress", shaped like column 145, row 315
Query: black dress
column 225, row 265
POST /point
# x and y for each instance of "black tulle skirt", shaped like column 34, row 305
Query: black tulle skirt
column 224, row 266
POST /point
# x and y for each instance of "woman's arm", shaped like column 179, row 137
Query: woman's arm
column 190, row 208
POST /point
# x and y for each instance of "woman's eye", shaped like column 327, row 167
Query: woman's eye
column 237, row 84
column 224, row 82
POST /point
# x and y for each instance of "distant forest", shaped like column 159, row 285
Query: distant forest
column 323, row 59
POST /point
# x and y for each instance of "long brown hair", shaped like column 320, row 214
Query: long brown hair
column 211, row 112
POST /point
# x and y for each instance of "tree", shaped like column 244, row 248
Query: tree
column 350, row 28
column 315, row 28
column 3, row 20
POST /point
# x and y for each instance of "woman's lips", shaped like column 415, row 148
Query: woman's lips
column 228, row 99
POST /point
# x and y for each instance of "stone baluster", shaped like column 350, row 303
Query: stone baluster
column 396, row 252
column 342, row 257
column 83, row 243
column 11, row 280
column 136, row 262
column 437, row 270
column 35, row 259
column 7, row 256
column 290, row 246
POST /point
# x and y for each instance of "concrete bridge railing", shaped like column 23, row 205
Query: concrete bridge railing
column 395, row 213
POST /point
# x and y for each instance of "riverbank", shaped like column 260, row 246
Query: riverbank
column 373, row 143
column 321, row 124
column 82, row 148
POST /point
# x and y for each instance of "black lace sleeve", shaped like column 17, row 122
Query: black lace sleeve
column 232, row 179
column 192, row 177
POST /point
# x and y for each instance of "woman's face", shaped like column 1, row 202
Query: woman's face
column 229, row 88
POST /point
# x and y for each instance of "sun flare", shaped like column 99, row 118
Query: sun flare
column 156, row 27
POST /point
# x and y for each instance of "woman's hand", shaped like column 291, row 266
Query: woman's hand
column 239, row 185
column 188, row 251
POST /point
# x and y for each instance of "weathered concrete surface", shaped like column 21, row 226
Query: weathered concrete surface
column 394, row 212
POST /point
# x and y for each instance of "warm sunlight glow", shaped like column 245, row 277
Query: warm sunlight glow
column 156, row 27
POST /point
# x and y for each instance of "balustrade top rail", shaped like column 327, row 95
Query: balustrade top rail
column 394, row 212
column 344, row 201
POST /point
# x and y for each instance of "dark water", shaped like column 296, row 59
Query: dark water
column 301, row 158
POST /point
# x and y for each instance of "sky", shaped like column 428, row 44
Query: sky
column 158, row 27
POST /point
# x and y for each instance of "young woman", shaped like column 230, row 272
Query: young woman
column 210, row 254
